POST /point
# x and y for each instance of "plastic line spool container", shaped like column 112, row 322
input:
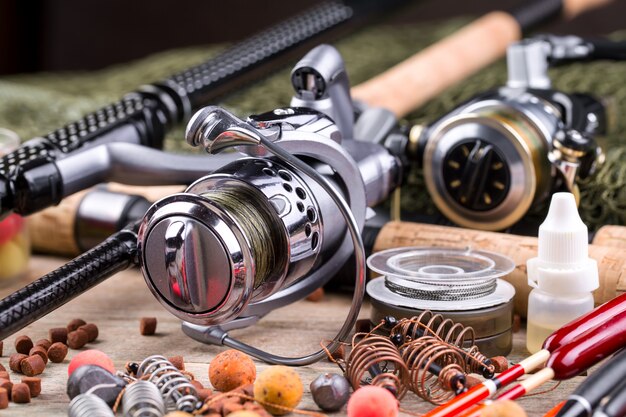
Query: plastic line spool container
column 463, row 285
column 14, row 241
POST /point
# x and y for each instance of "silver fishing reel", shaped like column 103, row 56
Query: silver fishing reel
column 492, row 158
column 274, row 225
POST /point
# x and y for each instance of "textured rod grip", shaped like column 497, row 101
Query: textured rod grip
column 58, row 287
column 134, row 118
column 207, row 80
column 144, row 116
column 113, row 122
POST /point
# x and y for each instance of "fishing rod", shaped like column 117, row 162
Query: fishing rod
column 607, row 381
column 273, row 224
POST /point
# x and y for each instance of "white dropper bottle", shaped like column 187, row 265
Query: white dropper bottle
column 562, row 276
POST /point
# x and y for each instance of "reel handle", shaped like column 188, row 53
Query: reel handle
column 147, row 114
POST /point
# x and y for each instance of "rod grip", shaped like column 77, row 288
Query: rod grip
column 572, row 8
column 421, row 77
column 132, row 119
column 52, row 230
column 611, row 262
column 611, row 236
column 58, row 287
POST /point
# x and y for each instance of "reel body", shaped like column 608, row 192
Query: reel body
column 274, row 225
column 249, row 229
column 489, row 160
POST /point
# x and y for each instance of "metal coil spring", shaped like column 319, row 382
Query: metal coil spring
column 435, row 369
column 175, row 388
column 89, row 405
column 428, row 323
column 379, row 358
column 456, row 334
column 477, row 363
column 142, row 399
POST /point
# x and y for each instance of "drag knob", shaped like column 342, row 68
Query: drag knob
column 195, row 259
column 186, row 279
column 475, row 175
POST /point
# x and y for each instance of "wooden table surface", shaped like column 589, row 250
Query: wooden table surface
column 117, row 305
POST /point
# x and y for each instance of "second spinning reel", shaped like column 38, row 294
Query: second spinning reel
column 489, row 160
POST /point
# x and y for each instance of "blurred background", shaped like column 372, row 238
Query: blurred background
column 59, row 35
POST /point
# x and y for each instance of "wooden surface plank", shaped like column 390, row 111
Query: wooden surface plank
column 117, row 305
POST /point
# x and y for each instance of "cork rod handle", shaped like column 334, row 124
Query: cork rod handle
column 53, row 231
column 421, row 77
column 611, row 236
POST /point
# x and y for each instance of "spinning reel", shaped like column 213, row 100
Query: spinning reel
column 268, row 229
column 492, row 158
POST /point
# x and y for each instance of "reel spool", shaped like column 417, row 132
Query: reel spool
column 459, row 284
column 264, row 231
column 485, row 167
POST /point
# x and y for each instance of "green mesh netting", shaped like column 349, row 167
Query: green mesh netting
column 34, row 104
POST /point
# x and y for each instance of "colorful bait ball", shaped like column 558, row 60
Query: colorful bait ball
column 91, row 357
column 506, row 408
column 243, row 413
column 278, row 386
column 231, row 369
column 372, row 401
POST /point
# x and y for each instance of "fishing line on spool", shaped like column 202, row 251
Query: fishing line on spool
column 463, row 285
column 439, row 276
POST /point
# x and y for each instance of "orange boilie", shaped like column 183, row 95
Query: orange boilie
column 231, row 369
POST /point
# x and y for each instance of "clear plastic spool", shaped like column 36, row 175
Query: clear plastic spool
column 440, row 278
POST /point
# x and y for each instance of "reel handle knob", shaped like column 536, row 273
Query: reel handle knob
column 217, row 129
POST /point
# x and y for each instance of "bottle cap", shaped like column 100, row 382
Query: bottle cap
column 563, row 265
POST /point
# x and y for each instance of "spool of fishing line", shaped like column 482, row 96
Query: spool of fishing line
column 463, row 285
